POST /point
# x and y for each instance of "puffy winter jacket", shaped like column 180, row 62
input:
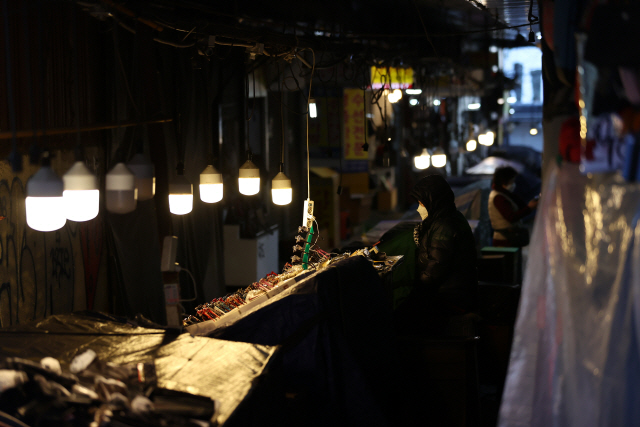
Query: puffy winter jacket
column 446, row 272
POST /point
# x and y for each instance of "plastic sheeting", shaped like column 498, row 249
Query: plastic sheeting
column 335, row 329
column 575, row 360
column 221, row 370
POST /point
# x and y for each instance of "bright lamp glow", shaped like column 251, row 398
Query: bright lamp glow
column 313, row 109
column 413, row 91
column 486, row 138
column 511, row 100
column 533, row 131
column 471, row 145
column 45, row 213
column 180, row 196
column 474, row 106
column 436, row 102
column 44, row 204
column 490, row 137
column 281, row 191
column 500, row 101
column 145, row 178
column 249, row 179
column 81, row 195
column 439, row 158
column 121, row 194
column 395, row 96
column 413, row 101
column 423, row 160
column 211, row 187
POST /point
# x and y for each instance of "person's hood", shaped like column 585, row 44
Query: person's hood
column 435, row 194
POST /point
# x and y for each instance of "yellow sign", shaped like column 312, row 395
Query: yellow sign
column 390, row 77
column 354, row 127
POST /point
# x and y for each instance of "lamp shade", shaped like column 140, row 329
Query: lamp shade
column 121, row 190
column 439, row 158
column 423, row 160
column 180, row 196
column 81, row 195
column 144, row 173
column 211, row 187
column 472, row 144
column 249, row 179
column 44, row 204
column 281, row 191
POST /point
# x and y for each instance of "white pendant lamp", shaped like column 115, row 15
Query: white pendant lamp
column 486, row 138
column 439, row 158
column 211, row 187
column 144, row 173
column 472, row 144
column 81, row 194
column 313, row 108
column 249, row 179
column 281, row 191
column 180, row 196
column 121, row 194
column 44, row 203
column 423, row 160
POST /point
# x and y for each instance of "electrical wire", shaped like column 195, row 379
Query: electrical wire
column 12, row 111
column 195, row 287
column 308, row 101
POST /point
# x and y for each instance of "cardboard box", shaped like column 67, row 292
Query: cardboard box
column 388, row 200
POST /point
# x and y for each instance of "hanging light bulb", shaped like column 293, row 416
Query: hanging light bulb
column 210, row 185
column 439, row 158
column 486, row 138
column 145, row 179
column 249, row 179
column 180, row 195
column 423, row 160
column 533, row 131
column 81, row 195
column 121, row 190
column 44, row 203
column 313, row 108
column 471, row 144
column 281, row 191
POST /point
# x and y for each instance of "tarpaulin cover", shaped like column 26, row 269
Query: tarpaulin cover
column 221, row 370
column 335, row 330
column 575, row 359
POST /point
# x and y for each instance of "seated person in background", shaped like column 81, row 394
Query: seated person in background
column 446, row 281
column 505, row 208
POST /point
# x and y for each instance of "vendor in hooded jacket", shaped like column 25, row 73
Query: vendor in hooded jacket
column 446, row 281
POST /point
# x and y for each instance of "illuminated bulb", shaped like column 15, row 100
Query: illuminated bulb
column 436, row 102
column 482, row 139
column 494, row 68
column 398, row 94
column 281, row 191
column 145, row 178
column 438, row 159
column 493, row 49
column 211, row 186
column 313, row 109
column 413, row 101
column 471, row 145
column 511, row 100
column 423, row 160
column 533, row 131
column 500, row 101
column 413, row 91
column 81, row 195
column 474, row 106
column 249, row 179
column 511, row 111
column 44, row 203
column 180, row 196
column 490, row 137
column 121, row 190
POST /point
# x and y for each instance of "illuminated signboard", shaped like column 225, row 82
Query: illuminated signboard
column 390, row 77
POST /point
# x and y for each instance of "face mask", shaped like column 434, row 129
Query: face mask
column 511, row 187
column 423, row 212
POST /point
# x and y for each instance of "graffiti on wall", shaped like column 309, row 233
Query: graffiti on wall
column 42, row 273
